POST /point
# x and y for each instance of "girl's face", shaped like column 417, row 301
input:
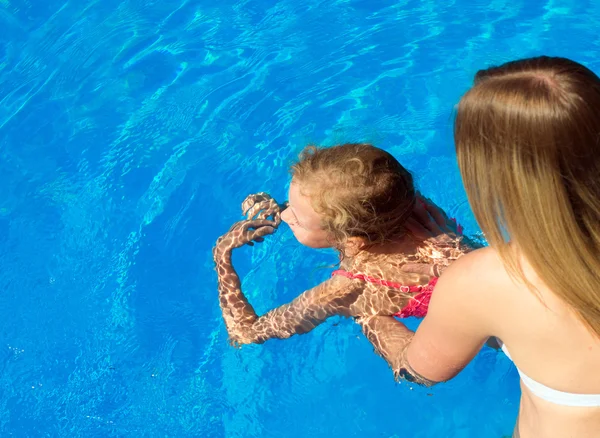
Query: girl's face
column 304, row 221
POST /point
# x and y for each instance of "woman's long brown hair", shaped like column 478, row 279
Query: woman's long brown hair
column 528, row 144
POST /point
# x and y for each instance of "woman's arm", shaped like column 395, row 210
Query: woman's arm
column 390, row 338
column 300, row 316
column 457, row 325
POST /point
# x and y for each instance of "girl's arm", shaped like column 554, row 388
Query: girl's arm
column 390, row 339
column 300, row 316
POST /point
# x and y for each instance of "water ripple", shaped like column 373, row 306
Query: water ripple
column 129, row 133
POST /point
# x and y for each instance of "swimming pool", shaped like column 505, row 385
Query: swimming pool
column 129, row 133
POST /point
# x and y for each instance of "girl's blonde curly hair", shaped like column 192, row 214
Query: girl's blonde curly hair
column 360, row 190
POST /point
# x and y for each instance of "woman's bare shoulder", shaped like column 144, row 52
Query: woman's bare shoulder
column 483, row 262
column 477, row 279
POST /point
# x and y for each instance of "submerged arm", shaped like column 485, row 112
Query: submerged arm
column 390, row 338
column 300, row 316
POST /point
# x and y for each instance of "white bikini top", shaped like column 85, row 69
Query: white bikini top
column 554, row 396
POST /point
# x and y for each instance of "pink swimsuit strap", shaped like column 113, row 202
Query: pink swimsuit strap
column 418, row 304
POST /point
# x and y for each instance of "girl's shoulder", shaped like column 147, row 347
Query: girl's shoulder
column 386, row 267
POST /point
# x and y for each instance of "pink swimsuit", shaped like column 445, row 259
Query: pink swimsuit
column 418, row 304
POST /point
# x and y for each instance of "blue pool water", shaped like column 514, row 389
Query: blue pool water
column 129, row 133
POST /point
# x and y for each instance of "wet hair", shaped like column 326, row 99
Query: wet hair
column 527, row 138
column 358, row 189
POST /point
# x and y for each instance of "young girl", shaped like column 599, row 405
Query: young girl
column 360, row 200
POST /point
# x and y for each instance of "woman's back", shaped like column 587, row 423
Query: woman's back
column 552, row 348
column 526, row 138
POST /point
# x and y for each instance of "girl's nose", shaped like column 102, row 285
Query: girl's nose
column 286, row 214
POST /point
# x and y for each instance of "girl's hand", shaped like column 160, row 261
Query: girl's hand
column 244, row 232
column 262, row 206
column 430, row 224
column 429, row 221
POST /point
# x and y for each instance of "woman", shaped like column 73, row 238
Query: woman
column 527, row 137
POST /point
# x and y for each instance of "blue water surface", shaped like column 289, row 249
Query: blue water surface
column 131, row 130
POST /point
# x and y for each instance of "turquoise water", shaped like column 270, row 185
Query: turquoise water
column 129, row 134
